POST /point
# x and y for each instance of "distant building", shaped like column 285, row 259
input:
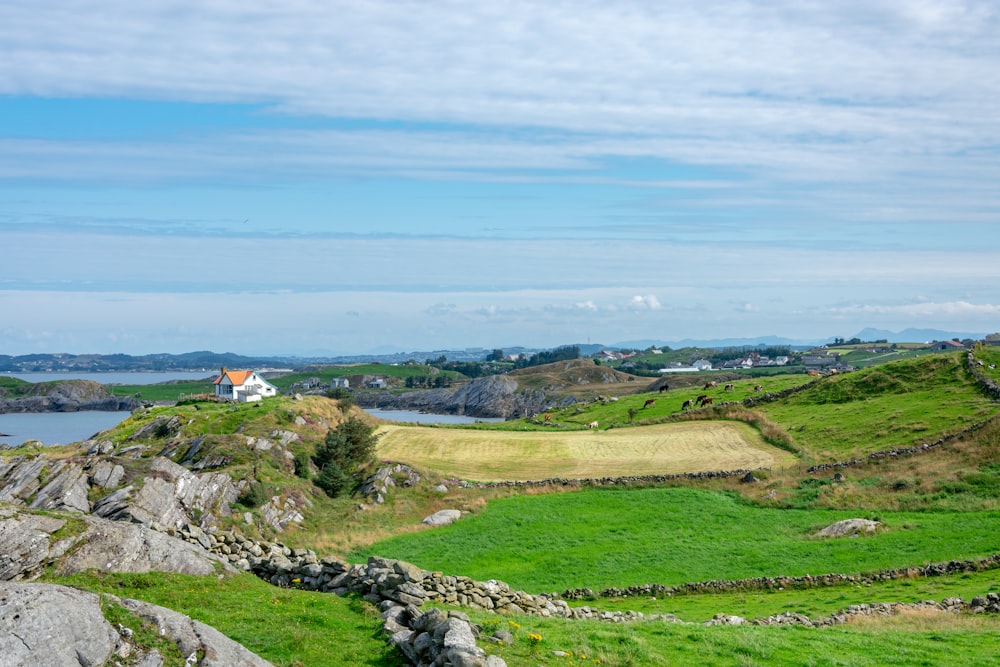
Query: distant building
column 378, row 383
column 677, row 368
column 993, row 339
column 340, row 383
column 243, row 386
column 947, row 345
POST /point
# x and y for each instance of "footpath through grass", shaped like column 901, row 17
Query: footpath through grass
column 608, row 538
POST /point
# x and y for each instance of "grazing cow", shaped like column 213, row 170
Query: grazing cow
column 688, row 404
column 711, row 385
column 592, row 425
column 700, row 398
column 548, row 418
column 664, row 388
column 649, row 402
column 758, row 387
column 707, row 401
column 729, row 387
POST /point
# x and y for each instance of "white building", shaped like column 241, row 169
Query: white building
column 243, row 386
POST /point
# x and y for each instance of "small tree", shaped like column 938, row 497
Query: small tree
column 346, row 448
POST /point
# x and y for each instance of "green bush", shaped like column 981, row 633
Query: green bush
column 333, row 480
column 254, row 495
column 302, row 468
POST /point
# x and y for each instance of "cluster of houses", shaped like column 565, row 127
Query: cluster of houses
column 246, row 386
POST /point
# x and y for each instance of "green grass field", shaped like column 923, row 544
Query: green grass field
column 898, row 405
column 605, row 538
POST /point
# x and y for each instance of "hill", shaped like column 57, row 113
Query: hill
column 228, row 470
column 521, row 393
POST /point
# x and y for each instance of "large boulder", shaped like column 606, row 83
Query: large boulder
column 43, row 624
column 443, row 518
column 30, row 542
column 56, row 626
column 850, row 528
column 112, row 546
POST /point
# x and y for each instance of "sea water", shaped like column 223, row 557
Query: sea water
column 62, row 428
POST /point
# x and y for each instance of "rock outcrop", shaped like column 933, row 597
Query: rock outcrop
column 47, row 624
column 493, row 396
column 171, row 495
column 69, row 396
column 31, row 542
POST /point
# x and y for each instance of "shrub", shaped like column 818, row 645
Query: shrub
column 344, row 398
column 302, row 468
column 255, row 495
column 333, row 480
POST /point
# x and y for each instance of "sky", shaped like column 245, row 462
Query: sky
column 305, row 177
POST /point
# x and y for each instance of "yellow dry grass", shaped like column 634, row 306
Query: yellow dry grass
column 522, row 456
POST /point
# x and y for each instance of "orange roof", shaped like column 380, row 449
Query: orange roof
column 236, row 378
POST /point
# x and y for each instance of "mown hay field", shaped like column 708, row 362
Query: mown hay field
column 492, row 456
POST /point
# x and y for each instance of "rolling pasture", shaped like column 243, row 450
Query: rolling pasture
column 483, row 455
column 613, row 537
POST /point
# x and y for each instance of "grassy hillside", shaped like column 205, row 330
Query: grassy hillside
column 602, row 538
column 937, row 506
column 893, row 405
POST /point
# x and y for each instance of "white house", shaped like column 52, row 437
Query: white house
column 340, row 383
column 243, row 386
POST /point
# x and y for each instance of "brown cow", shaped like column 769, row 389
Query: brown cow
column 711, row 385
column 649, row 402
column 706, row 401
column 700, row 398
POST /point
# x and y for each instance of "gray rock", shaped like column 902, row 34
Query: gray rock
column 21, row 480
column 67, row 489
column 442, row 518
column 106, row 474
column 44, row 624
column 194, row 637
column 850, row 528
column 56, row 626
column 25, row 543
column 112, row 546
column 172, row 496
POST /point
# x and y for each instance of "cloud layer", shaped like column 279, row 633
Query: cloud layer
column 506, row 173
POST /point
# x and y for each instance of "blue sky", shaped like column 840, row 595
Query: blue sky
column 340, row 177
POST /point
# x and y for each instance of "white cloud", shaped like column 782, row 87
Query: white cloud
column 648, row 302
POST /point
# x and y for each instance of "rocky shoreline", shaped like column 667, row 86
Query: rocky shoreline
column 68, row 396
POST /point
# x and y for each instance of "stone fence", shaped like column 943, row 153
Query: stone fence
column 988, row 385
column 400, row 589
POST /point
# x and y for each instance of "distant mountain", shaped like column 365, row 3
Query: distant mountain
column 915, row 335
